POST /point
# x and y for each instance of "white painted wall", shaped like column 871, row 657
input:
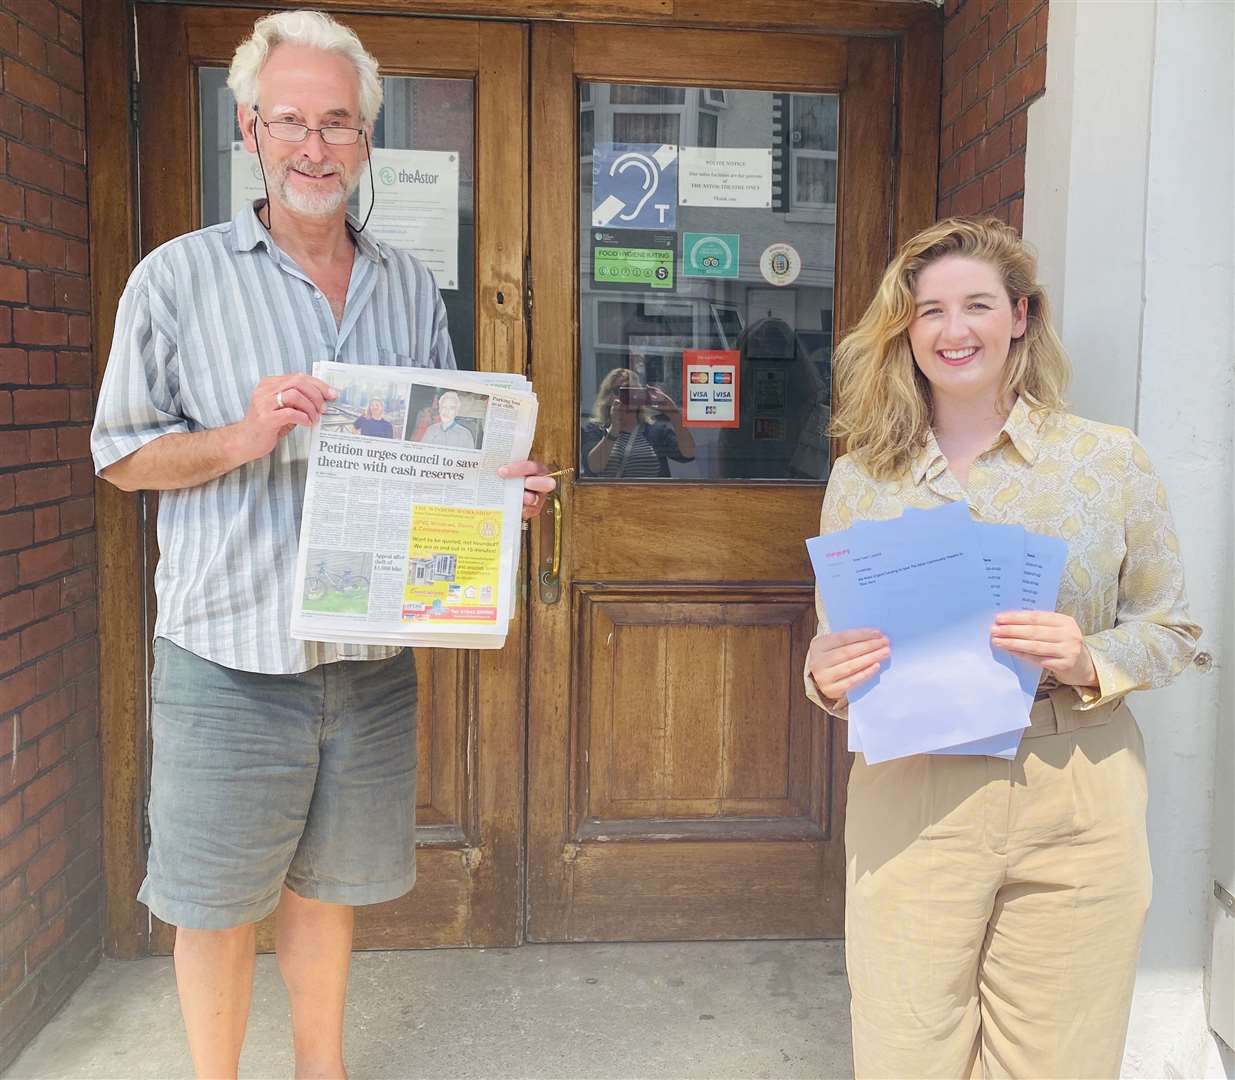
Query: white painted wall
column 1221, row 982
column 1129, row 192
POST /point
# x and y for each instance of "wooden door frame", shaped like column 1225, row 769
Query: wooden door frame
column 471, row 876
column 917, row 26
column 111, row 149
column 470, row 834
column 564, row 865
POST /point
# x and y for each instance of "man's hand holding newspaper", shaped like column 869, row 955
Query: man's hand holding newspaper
column 537, row 484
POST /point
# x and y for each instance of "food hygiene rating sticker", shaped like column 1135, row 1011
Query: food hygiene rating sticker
column 633, row 258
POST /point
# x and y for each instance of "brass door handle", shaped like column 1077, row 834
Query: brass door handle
column 550, row 568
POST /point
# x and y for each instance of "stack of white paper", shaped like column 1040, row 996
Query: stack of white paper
column 409, row 536
column 932, row 582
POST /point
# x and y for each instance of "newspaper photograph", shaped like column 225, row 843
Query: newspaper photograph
column 409, row 536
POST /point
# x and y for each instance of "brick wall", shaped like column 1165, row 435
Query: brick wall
column 50, row 888
column 994, row 66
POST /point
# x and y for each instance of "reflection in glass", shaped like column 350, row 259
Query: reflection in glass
column 639, row 331
column 814, row 121
column 709, row 126
column 813, row 133
column 815, row 181
column 418, row 114
column 646, row 95
column 586, row 133
column 634, row 431
column 637, row 127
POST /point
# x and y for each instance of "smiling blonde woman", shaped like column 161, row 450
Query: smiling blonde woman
column 994, row 908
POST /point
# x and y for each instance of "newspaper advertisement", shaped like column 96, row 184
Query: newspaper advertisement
column 409, row 536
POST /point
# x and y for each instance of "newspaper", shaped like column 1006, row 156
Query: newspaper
column 409, row 536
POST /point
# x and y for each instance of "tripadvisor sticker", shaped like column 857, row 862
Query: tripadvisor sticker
column 713, row 255
column 780, row 264
column 633, row 258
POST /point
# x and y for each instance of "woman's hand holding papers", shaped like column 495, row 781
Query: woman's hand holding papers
column 841, row 661
column 1048, row 639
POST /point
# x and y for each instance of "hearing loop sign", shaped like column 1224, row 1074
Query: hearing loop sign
column 634, row 186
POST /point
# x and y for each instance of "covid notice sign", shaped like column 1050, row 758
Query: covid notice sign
column 710, row 387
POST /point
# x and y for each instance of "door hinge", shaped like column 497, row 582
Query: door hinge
column 135, row 102
column 146, row 824
column 527, row 286
column 1224, row 898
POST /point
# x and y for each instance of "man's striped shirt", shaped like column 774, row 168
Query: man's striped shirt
column 203, row 319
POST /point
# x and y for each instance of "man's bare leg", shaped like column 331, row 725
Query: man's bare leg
column 214, row 975
column 313, row 941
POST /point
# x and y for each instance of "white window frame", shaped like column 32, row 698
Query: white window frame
column 587, row 105
column 702, row 311
column 648, row 110
column 706, row 110
column 605, row 110
column 802, row 209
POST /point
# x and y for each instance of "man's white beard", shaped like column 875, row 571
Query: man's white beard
column 322, row 202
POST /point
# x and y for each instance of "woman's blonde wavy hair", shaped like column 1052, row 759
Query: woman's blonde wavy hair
column 883, row 401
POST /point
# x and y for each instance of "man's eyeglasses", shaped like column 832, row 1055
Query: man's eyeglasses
column 287, row 131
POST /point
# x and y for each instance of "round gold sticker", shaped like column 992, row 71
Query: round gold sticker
column 780, row 264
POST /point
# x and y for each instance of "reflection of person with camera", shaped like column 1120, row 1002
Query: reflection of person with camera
column 634, row 431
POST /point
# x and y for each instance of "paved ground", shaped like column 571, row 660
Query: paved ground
column 713, row 1011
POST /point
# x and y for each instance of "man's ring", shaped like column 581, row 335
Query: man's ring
column 278, row 398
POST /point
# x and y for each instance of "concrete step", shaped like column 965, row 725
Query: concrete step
column 773, row 1010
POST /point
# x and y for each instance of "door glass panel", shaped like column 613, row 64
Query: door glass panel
column 418, row 114
column 706, row 281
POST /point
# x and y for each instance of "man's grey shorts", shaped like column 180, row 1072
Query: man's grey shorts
column 258, row 781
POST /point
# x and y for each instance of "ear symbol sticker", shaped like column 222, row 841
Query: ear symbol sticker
column 634, row 186
column 650, row 179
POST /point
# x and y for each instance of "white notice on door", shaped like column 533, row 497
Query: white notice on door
column 417, row 207
column 712, row 176
column 246, row 178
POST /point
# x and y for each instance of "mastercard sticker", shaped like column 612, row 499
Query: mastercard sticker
column 710, row 388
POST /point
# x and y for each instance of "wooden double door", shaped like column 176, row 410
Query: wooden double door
column 640, row 761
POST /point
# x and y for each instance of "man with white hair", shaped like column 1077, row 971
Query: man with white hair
column 446, row 432
column 284, row 772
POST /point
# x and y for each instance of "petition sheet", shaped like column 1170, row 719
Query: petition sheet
column 1003, row 550
column 858, row 590
column 1021, row 587
column 1021, row 571
column 1045, row 557
column 926, row 589
column 831, row 558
